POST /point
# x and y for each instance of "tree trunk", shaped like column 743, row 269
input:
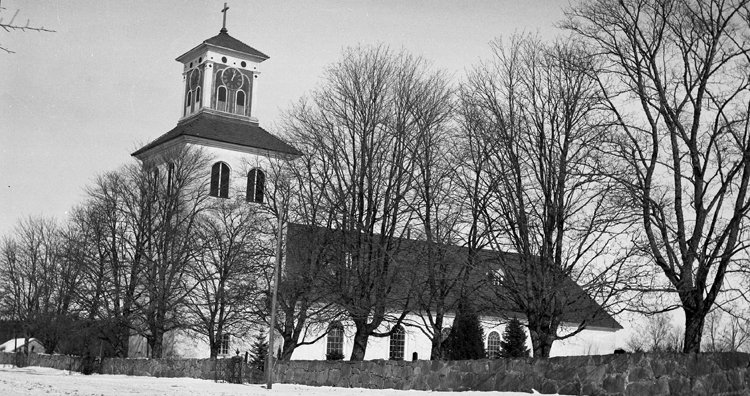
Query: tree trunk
column 541, row 343
column 215, row 347
column 288, row 348
column 436, row 352
column 543, row 334
column 694, row 322
column 156, row 343
column 360, row 343
column 122, row 340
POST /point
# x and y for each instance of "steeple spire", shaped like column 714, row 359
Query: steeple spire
column 224, row 26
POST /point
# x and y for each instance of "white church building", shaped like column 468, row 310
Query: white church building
column 218, row 115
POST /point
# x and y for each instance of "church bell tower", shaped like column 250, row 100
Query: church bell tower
column 220, row 80
column 220, row 76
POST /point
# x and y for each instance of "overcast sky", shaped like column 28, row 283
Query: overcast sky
column 76, row 103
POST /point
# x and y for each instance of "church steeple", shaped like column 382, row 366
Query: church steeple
column 221, row 76
column 218, row 109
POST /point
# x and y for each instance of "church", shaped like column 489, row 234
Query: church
column 218, row 115
column 220, row 81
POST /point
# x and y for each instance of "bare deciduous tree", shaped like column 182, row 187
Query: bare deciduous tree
column 38, row 280
column 175, row 195
column 358, row 127
column 305, row 307
column 536, row 123
column 13, row 26
column 227, row 269
column 656, row 335
column 726, row 330
column 436, row 209
column 674, row 73
column 117, row 235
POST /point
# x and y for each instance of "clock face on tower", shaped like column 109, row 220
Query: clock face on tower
column 195, row 77
column 232, row 78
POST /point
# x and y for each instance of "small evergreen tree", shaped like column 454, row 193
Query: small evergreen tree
column 466, row 340
column 513, row 344
column 259, row 352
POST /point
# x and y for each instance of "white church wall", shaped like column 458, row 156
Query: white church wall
column 185, row 344
column 587, row 342
column 377, row 347
column 138, row 346
column 598, row 341
column 239, row 163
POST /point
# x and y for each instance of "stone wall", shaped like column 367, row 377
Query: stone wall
column 59, row 362
column 190, row 368
column 625, row 374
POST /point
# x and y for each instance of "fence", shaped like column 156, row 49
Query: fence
column 236, row 371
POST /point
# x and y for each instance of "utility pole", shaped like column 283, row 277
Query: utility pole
column 276, row 277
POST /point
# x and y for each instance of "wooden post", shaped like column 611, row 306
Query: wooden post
column 276, row 276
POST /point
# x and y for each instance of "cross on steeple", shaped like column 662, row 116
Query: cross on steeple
column 224, row 26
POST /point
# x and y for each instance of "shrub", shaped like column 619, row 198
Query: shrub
column 259, row 352
column 335, row 355
column 513, row 344
column 466, row 339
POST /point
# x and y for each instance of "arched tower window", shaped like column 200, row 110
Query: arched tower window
column 398, row 342
column 240, row 107
column 493, row 345
column 335, row 341
column 198, row 98
column 256, row 184
column 219, row 180
column 221, row 98
column 170, row 177
column 188, row 101
column 155, row 184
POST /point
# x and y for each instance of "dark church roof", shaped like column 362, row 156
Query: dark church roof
column 222, row 129
column 306, row 242
column 224, row 40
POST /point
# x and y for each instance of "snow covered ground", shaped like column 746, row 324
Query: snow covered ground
column 31, row 381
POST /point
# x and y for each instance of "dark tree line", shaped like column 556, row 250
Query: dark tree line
column 145, row 254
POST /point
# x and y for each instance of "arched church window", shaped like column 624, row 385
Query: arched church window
column 224, row 344
column 240, row 108
column 222, row 98
column 198, row 98
column 219, row 180
column 256, row 184
column 335, row 341
column 493, row 345
column 445, row 333
column 398, row 342
column 497, row 276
